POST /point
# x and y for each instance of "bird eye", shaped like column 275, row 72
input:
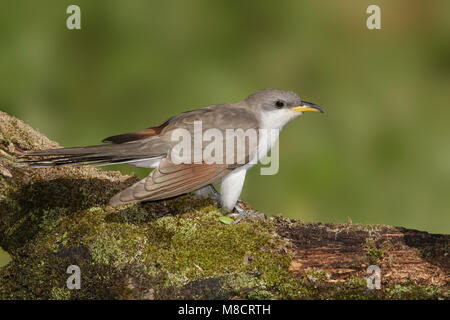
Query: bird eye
column 279, row 104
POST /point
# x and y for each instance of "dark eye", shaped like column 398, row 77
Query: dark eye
column 279, row 104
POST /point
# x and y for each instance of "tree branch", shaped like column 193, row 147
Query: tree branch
column 52, row 218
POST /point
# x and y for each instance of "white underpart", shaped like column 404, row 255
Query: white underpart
column 272, row 120
column 144, row 163
column 233, row 182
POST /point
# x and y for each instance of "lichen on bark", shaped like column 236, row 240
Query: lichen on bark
column 178, row 249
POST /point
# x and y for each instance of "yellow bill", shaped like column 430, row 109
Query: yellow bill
column 308, row 107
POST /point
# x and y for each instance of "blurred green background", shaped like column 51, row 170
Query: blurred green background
column 381, row 153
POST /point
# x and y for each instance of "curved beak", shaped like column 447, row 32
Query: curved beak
column 308, row 107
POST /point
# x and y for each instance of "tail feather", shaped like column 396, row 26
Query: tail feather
column 91, row 155
column 78, row 161
column 70, row 151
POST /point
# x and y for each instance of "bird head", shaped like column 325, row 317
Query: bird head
column 276, row 108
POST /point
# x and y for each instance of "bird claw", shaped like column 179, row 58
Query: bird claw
column 242, row 213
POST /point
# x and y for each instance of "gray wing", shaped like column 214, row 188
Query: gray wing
column 222, row 118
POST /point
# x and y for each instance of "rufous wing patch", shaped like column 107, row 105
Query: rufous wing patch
column 138, row 135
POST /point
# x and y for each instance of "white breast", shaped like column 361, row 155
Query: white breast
column 271, row 124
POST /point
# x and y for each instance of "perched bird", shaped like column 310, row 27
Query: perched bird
column 153, row 148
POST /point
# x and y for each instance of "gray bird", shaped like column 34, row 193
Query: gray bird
column 152, row 148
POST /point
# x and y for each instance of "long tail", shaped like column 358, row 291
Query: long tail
column 91, row 155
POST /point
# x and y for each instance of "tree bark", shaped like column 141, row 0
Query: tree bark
column 52, row 218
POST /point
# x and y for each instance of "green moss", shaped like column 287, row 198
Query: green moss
column 411, row 291
column 170, row 250
column 50, row 218
column 5, row 258
column 259, row 295
column 373, row 253
column 60, row 294
column 314, row 275
column 174, row 250
column 353, row 289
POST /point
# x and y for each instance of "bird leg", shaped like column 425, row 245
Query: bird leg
column 216, row 194
column 240, row 213
column 207, row 192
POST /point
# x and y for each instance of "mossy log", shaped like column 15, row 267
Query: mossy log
column 52, row 218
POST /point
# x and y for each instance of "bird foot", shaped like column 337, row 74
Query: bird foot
column 242, row 213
